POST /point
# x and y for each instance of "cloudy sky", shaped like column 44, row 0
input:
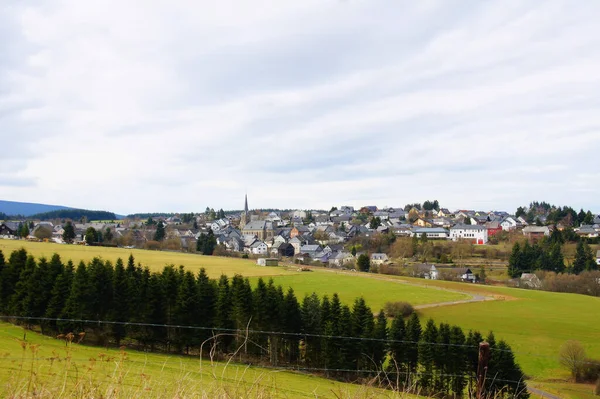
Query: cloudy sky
column 174, row 106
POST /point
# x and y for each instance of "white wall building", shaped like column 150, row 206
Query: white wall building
column 475, row 233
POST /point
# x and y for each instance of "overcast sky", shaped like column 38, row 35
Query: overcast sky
column 175, row 106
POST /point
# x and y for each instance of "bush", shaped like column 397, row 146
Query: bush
column 393, row 309
column 153, row 245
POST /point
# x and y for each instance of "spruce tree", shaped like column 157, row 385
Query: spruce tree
column 427, row 353
column 10, row 276
column 362, row 327
column 207, row 295
column 120, row 303
column 380, row 332
column 504, row 374
column 312, row 324
column 398, row 348
column 185, row 314
column 159, row 235
column 223, row 309
column 292, row 322
column 77, row 305
column 59, row 294
column 457, row 361
column 413, row 333
column 515, row 262
column 68, row 233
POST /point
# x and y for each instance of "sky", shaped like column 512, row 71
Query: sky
column 173, row 106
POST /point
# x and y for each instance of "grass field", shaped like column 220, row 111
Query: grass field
column 375, row 291
column 155, row 260
column 534, row 323
column 51, row 369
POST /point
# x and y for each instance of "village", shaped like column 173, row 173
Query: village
column 300, row 236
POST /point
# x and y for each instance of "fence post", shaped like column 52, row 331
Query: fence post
column 482, row 365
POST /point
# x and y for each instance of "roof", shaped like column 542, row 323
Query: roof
column 379, row 256
column 536, row 229
column 467, row 227
column 426, row 230
column 255, row 225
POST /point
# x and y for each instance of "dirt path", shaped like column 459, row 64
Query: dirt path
column 474, row 297
column 542, row 394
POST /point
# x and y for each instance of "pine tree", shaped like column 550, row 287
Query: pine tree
column 156, row 312
column 9, row 278
column 557, row 260
column 241, row 305
column 442, row 381
column 186, row 313
column 207, row 295
column 581, row 261
column 22, row 300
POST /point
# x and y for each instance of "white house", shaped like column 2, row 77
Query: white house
column 509, row 224
column 259, row 248
column 477, row 234
column 378, row 258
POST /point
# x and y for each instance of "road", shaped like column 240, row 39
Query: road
column 542, row 394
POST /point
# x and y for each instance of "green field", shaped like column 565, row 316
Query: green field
column 534, row 323
column 375, row 291
column 155, row 260
column 100, row 372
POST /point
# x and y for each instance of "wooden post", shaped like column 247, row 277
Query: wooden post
column 482, row 365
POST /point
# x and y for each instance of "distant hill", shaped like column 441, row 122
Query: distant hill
column 27, row 208
column 46, row 212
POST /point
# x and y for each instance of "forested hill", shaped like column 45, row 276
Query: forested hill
column 26, row 208
column 75, row 214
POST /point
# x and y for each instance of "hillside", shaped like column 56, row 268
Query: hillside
column 27, row 208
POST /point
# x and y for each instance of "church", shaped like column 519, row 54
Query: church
column 251, row 226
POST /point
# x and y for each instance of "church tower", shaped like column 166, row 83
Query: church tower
column 244, row 215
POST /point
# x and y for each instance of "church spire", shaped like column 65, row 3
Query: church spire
column 246, row 204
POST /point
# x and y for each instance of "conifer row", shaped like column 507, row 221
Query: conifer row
column 262, row 324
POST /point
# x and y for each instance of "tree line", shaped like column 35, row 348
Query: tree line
column 74, row 214
column 547, row 255
column 263, row 324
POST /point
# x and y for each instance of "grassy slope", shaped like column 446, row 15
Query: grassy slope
column 534, row 323
column 147, row 375
column 376, row 292
column 155, row 260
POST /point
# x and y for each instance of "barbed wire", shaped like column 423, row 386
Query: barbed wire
column 280, row 333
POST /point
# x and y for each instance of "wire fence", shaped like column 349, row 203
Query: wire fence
column 275, row 333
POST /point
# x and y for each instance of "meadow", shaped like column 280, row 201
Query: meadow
column 155, row 260
column 35, row 365
column 534, row 323
column 375, row 291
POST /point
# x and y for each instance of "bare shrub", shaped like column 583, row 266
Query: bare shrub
column 400, row 308
column 572, row 357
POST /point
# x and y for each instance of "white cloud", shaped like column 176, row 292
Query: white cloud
column 175, row 106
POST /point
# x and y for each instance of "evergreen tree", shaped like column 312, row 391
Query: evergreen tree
column 348, row 347
column 223, row 311
column 91, row 235
column 21, row 302
column 120, row 304
column 427, row 353
column 68, row 233
column 441, row 360
column 380, row 332
column 515, row 262
column 457, row 361
column 10, row 276
column 556, row 258
column 363, row 263
column 159, row 235
column 207, row 295
column 362, row 327
column 186, row 312
column 77, row 305
column 398, row 348
column 311, row 324
column 108, row 235
column 504, row 375
column 59, row 294
column 584, row 258
column 413, row 332
column 156, row 310
column 292, row 322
